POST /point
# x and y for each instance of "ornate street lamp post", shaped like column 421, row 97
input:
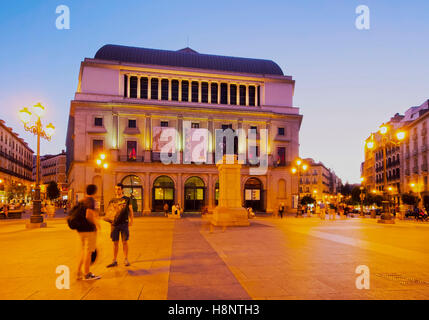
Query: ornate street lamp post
column 299, row 168
column 32, row 123
column 103, row 165
column 387, row 139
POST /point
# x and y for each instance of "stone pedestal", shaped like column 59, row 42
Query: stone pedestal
column 230, row 212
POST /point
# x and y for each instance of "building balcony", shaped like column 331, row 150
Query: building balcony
column 127, row 159
column 416, row 170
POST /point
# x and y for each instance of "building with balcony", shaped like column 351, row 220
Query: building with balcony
column 15, row 165
column 128, row 98
column 318, row 181
column 406, row 162
column 53, row 169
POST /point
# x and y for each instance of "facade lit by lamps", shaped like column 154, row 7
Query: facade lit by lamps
column 299, row 169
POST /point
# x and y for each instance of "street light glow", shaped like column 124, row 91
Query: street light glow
column 99, row 162
column 39, row 110
column 293, row 170
column 383, row 129
column 25, row 115
column 304, row 167
column 50, row 130
column 102, row 156
column 105, row 166
column 400, row 135
column 370, row 144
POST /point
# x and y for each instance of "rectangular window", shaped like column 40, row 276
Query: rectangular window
column 132, row 123
column 125, row 85
column 242, row 95
column 281, row 131
column 204, row 92
column 259, row 96
column 233, row 94
column 194, row 91
column 131, row 150
column 252, row 92
column 175, row 90
column 195, row 125
column 97, row 147
column 164, row 123
column 98, row 122
column 133, row 87
column 281, row 156
column 164, row 89
column 144, row 88
column 213, row 89
column 154, row 88
column 224, row 93
column 185, row 90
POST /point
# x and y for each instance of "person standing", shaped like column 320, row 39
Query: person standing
column 87, row 231
column 120, row 226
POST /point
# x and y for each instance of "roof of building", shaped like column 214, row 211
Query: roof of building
column 187, row 58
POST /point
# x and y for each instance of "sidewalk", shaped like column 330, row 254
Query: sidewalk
column 290, row 258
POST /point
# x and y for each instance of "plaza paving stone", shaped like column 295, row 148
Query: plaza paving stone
column 186, row 259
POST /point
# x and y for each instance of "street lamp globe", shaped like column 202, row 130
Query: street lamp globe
column 25, row 115
column 400, row 135
column 50, row 130
column 383, row 129
column 39, row 110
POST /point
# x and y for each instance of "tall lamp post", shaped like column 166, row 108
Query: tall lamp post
column 387, row 139
column 103, row 165
column 33, row 123
column 298, row 169
column 362, row 179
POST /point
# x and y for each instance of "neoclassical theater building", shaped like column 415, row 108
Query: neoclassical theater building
column 127, row 96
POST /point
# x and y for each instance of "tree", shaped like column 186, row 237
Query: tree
column 53, row 192
column 410, row 199
column 307, row 200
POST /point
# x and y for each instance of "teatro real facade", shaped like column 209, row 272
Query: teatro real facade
column 127, row 97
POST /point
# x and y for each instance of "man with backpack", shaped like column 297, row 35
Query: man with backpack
column 123, row 218
column 84, row 219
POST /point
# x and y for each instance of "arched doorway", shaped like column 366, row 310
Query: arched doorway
column 194, row 194
column 163, row 192
column 134, row 190
column 253, row 194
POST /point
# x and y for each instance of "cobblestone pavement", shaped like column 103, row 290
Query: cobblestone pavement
column 291, row 258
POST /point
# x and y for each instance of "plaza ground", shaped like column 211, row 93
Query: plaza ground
column 290, row 258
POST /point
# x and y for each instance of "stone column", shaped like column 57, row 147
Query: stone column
column 229, row 93
column 180, row 89
column 247, row 95
column 159, row 89
column 210, row 195
column 149, row 88
column 179, row 188
column 138, row 87
column 269, row 191
column 147, row 193
column 180, row 138
column 218, row 92
column 169, row 89
column 199, row 91
column 128, row 85
column 148, row 139
column 210, row 92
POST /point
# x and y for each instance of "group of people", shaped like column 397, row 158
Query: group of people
column 176, row 209
column 124, row 216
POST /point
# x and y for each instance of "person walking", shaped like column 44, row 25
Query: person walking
column 322, row 211
column 281, row 210
column 124, row 218
column 87, row 231
column 166, row 209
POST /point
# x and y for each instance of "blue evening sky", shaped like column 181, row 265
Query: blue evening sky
column 347, row 81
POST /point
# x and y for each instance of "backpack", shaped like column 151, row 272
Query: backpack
column 113, row 212
column 76, row 215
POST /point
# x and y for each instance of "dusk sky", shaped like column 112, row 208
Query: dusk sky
column 348, row 81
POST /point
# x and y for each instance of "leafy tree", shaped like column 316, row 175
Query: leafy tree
column 16, row 191
column 53, row 192
column 307, row 200
column 410, row 199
